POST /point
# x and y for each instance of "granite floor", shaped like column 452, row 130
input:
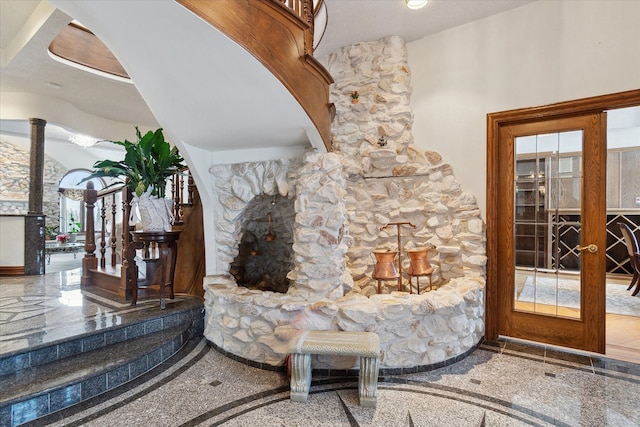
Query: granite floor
column 37, row 311
column 511, row 383
column 508, row 385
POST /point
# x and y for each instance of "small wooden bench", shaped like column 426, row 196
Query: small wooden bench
column 366, row 345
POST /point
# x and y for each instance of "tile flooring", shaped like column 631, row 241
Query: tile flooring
column 511, row 383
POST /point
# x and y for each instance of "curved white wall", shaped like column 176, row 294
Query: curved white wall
column 541, row 53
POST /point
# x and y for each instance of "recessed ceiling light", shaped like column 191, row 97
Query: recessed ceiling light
column 54, row 85
column 416, row 4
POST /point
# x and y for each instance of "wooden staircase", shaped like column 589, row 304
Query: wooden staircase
column 104, row 267
column 279, row 33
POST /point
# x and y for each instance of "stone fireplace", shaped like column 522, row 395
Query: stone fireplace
column 265, row 252
column 341, row 201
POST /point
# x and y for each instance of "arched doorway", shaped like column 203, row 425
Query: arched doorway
column 71, row 218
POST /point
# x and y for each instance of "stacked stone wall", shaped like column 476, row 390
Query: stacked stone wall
column 14, row 183
column 375, row 176
column 414, row 330
column 390, row 180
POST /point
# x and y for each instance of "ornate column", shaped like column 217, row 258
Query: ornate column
column 36, row 165
column 34, row 221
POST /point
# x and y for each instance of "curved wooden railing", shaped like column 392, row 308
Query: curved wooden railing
column 104, row 265
column 271, row 30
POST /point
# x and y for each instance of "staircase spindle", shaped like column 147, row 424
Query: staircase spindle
column 190, row 187
column 103, row 244
column 114, row 238
column 180, row 213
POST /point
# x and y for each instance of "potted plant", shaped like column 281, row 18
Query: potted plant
column 50, row 232
column 147, row 165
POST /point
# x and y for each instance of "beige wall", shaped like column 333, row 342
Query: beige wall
column 541, row 53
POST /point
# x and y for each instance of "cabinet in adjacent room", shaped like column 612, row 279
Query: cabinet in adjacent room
column 530, row 213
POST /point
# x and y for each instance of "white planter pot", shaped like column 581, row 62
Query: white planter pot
column 155, row 214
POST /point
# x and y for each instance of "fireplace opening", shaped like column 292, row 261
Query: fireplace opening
column 265, row 252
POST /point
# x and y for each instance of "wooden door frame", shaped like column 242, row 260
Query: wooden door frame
column 495, row 121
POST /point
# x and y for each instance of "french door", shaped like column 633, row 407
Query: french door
column 546, row 222
column 551, row 170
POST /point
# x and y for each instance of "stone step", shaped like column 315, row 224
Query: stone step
column 117, row 356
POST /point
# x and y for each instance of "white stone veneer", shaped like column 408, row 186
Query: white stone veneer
column 342, row 200
column 414, row 330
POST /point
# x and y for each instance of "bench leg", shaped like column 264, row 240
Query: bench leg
column 300, row 376
column 368, row 382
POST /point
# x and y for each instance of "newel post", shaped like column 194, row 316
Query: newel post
column 89, row 261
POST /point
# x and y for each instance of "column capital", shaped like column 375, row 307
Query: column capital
column 37, row 122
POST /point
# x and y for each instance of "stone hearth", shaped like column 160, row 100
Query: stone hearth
column 341, row 200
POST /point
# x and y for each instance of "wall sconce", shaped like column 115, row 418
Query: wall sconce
column 416, row 4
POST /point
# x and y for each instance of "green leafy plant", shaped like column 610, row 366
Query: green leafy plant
column 147, row 164
column 50, row 231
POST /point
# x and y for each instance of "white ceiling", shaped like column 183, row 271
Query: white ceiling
column 352, row 21
column 106, row 109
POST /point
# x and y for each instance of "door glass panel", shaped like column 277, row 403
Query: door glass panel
column 547, row 206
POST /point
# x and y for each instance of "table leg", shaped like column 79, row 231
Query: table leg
column 132, row 271
column 174, row 259
column 164, row 252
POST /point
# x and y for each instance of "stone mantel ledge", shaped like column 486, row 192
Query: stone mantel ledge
column 414, row 330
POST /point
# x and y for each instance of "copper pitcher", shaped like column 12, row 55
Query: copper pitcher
column 419, row 262
column 385, row 268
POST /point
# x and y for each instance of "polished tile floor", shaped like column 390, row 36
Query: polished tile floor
column 37, row 311
column 509, row 384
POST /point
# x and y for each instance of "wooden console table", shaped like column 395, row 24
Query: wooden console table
column 168, row 248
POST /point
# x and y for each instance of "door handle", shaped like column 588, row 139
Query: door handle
column 591, row 248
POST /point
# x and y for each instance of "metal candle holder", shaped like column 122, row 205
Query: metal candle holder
column 398, row 225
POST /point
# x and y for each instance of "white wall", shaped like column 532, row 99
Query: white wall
column 12, row 242
column 537, row 54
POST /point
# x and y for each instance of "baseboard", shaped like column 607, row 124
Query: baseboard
column 12, row 270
